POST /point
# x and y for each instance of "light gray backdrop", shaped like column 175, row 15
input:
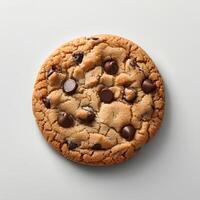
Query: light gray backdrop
column 168, row 167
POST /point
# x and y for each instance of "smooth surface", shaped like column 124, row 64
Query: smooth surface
column 166, row 168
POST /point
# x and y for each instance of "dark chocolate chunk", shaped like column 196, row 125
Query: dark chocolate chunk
column 148, row 86
column 65, row 120
column 106, row 95
column 128, row 132
column 78, row 57
column 70, row 86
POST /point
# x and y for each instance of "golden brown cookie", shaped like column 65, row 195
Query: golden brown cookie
column 98, row 100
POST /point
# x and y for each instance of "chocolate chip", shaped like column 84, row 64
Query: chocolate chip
column 106, row 95
column 78, row 57
column 128, row 132
column 51, row 70
column 110, row 67
column 65, row 120
column 97, row 146
column 70, row 86
column 148, row 86
column 47, row 102
column 72, row 145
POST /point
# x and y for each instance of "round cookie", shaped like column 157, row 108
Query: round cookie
column 98, row 100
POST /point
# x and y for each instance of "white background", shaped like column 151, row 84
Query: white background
column 166, row 168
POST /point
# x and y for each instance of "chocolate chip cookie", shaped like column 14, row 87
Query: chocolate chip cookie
column 97, row 100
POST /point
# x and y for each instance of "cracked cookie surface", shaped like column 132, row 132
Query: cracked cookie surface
column 98, row 100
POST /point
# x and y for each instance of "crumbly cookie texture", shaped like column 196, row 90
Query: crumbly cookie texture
column 98, row 100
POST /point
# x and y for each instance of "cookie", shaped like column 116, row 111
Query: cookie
column 98, row 100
